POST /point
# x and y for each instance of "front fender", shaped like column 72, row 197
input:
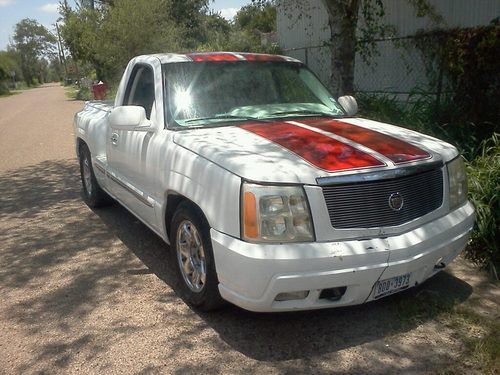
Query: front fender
column 213, row 189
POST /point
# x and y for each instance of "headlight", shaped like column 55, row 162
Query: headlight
column 275, row 214
column 457, row 178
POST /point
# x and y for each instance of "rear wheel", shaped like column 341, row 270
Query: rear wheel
column 93, row 195
column 193, row 256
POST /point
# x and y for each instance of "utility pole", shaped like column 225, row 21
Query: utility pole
column 62, row 58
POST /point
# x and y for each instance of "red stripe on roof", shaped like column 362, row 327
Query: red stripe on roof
column 261, row 57
column 395, row 149
column 229, row 56
column 212, row 56
column 318, row 149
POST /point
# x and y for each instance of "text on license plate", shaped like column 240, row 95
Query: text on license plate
column 389, row 286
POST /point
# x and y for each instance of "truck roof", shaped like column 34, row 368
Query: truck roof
column 166, row 58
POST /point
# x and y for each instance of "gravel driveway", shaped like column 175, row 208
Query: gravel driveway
column 91, row 291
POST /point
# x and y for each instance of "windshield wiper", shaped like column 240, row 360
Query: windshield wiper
column 303, row 112
column 222, row 116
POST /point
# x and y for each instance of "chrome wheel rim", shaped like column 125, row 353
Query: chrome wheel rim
column 191, row 256
column 87, row 175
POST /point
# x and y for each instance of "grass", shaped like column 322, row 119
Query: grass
column 478, row 333
column 71, row 92
column 75, row 93
column 416, row 113
column 86, row 94
column 6, row 91
column 21, row 86
column 10, row 93
column 484, row 180
column 481, row 339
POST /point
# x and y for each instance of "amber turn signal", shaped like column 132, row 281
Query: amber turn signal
column 250, row 228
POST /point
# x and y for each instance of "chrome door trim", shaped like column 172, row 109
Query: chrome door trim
column 137, row 195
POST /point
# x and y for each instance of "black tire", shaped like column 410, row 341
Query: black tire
column 93, row 195
column 207, row 297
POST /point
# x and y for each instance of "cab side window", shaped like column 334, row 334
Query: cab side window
column 141, row 89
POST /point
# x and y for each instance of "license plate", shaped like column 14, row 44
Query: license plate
column 392, row 285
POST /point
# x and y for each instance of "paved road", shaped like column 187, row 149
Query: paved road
column 85, row 291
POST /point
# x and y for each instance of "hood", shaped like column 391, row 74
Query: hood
column 305, row 149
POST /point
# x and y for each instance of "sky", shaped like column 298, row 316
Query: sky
column 45, row 12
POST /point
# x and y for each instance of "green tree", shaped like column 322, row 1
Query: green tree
column 10, row 61
column 215, row 33
column 249, row 24
column 4, row 76
column 91, row 4
column 134, row 28
column 55, row 71
column 109, row 34
column 81, row 32
column 10, row 69
column 189, row 16
column 256, row 17
column 34, row 43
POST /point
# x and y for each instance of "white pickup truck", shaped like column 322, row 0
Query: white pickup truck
column 271, row 194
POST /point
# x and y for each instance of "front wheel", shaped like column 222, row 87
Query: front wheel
column 195, row 266
column 93, row 195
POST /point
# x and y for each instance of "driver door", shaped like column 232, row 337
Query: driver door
column 127, row 149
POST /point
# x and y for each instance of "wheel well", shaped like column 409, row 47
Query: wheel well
column 173, row 202
column 79, row 143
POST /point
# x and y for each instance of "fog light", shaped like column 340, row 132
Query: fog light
column 333, row 294
column 292, row 295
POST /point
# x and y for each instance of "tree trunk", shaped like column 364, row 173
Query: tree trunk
column 343, row 20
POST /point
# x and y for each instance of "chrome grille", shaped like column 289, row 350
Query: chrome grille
column 366, row 204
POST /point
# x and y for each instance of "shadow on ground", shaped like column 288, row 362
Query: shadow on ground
column 285, row 336
column 66, row 261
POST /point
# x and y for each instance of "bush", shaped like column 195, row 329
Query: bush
column 462, row 63
column 84, row 94
column 4, row 88
column 415, row 114
column 112, row 91
column 484, row 181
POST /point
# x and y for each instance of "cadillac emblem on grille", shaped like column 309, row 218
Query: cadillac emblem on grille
column 396, row 201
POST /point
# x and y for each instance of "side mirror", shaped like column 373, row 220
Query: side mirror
column 129, row 117
column 349, row 104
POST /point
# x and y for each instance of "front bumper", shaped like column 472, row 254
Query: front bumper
column 252, row 275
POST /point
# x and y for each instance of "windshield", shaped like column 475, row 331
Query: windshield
column 212, row 93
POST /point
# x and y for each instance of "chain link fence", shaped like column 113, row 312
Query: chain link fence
column 317, row 58
column 395, row 67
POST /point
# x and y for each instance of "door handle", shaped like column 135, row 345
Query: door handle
column 114, row 139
